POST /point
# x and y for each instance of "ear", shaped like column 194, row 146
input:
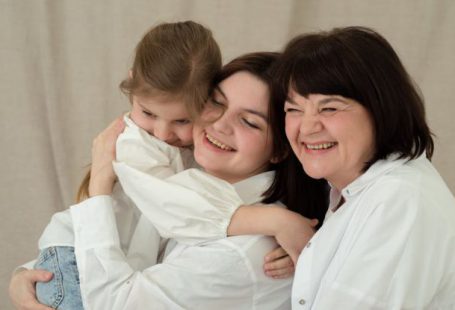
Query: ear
column 130, row 73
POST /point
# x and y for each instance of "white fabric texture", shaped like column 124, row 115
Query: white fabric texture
column 141, row 157
column 62, row 62
column 389, row 246
column 146, row 168
column 221, row 274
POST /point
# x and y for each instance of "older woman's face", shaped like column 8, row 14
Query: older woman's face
column 332, row 136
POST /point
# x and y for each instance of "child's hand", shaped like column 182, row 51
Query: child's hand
column 278, row 264
column 102, row 176
column 294, row 236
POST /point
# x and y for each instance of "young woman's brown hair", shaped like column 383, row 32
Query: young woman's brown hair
column 173, row 60
column 291, row 185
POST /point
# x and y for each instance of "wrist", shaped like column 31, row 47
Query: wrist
column 101, row 187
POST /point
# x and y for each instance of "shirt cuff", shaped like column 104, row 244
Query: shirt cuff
column 94, row 223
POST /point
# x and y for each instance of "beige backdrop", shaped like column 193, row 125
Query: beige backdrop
column 61, row 62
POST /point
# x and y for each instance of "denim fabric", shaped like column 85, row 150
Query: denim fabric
column 63, row 291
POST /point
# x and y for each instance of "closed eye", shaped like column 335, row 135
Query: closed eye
column 148, row 114
column 217, row 103
column 182, row 121
column 290, row 110
column 250, row 124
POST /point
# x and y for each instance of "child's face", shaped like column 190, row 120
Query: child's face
column 167, row 120
column 239, row 143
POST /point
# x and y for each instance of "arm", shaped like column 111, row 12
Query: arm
column 158, row 198
column 291, row 230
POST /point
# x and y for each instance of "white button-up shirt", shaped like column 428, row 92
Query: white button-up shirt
column 194, row 209
column 139, row 156
column 391, row 245
column 222, row 274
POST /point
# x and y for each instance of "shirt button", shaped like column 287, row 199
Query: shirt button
column 302, row 301
column 308, row 244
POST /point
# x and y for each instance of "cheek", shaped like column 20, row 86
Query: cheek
column 185, row 133
column 292, row 129
column 143, row 123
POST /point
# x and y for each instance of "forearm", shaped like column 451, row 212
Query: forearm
column 259, row 220
column 190, row 206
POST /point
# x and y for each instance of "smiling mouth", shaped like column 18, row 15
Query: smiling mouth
column 322, row 146
column 218, row 144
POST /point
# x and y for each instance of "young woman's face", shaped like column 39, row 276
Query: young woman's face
column 239, row 143
column 332, row 136
column 167, row 120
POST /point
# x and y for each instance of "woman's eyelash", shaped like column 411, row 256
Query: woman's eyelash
column 252, row 125
column 216, row 102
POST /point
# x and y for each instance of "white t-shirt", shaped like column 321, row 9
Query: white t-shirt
column 391, row 245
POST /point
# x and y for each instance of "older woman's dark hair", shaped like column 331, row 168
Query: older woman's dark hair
column 291, row 184
column 358, row 63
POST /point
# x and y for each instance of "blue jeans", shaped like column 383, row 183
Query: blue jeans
column 62, row 291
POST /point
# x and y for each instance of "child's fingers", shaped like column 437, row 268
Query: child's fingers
column 281, row 273
column 275, row 254
column 280, row 263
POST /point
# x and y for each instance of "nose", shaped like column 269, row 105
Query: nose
column 310, row 124
column 223, row 124
column 163, row 131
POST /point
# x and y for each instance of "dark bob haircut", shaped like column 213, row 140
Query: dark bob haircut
column 358, row 63
column 291, row 184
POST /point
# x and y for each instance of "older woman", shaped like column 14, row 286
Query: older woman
column 354, row 118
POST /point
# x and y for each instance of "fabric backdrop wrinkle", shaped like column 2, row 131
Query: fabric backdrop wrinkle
column 61, row 62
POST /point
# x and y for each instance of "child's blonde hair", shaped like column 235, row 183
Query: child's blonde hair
column 173, row 60
column 177, row 60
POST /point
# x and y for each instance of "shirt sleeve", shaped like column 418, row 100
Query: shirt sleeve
column 138, row 149
column 190, row 206
column 195, row 278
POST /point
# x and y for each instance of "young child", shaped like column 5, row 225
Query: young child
column 168, row 84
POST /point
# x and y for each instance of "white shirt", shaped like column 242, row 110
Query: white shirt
column 222, row 274
column 391, row 245
column 140, row 155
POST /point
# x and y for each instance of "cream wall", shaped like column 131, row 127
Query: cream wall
column 61, row 62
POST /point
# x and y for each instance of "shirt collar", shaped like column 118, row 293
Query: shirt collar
column 379, row 168
column 251, row 189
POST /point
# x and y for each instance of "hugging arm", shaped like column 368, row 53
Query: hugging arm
column 291, row 230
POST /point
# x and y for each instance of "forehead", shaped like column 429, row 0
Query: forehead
column 164, row 107
column 244, row 90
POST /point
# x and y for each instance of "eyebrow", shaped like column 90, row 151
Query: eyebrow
column 330, row 99
column 260, row 114
column 322, row 101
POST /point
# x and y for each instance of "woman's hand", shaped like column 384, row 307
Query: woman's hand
column 102, row 176
column 22, row 289
column 278, row 264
